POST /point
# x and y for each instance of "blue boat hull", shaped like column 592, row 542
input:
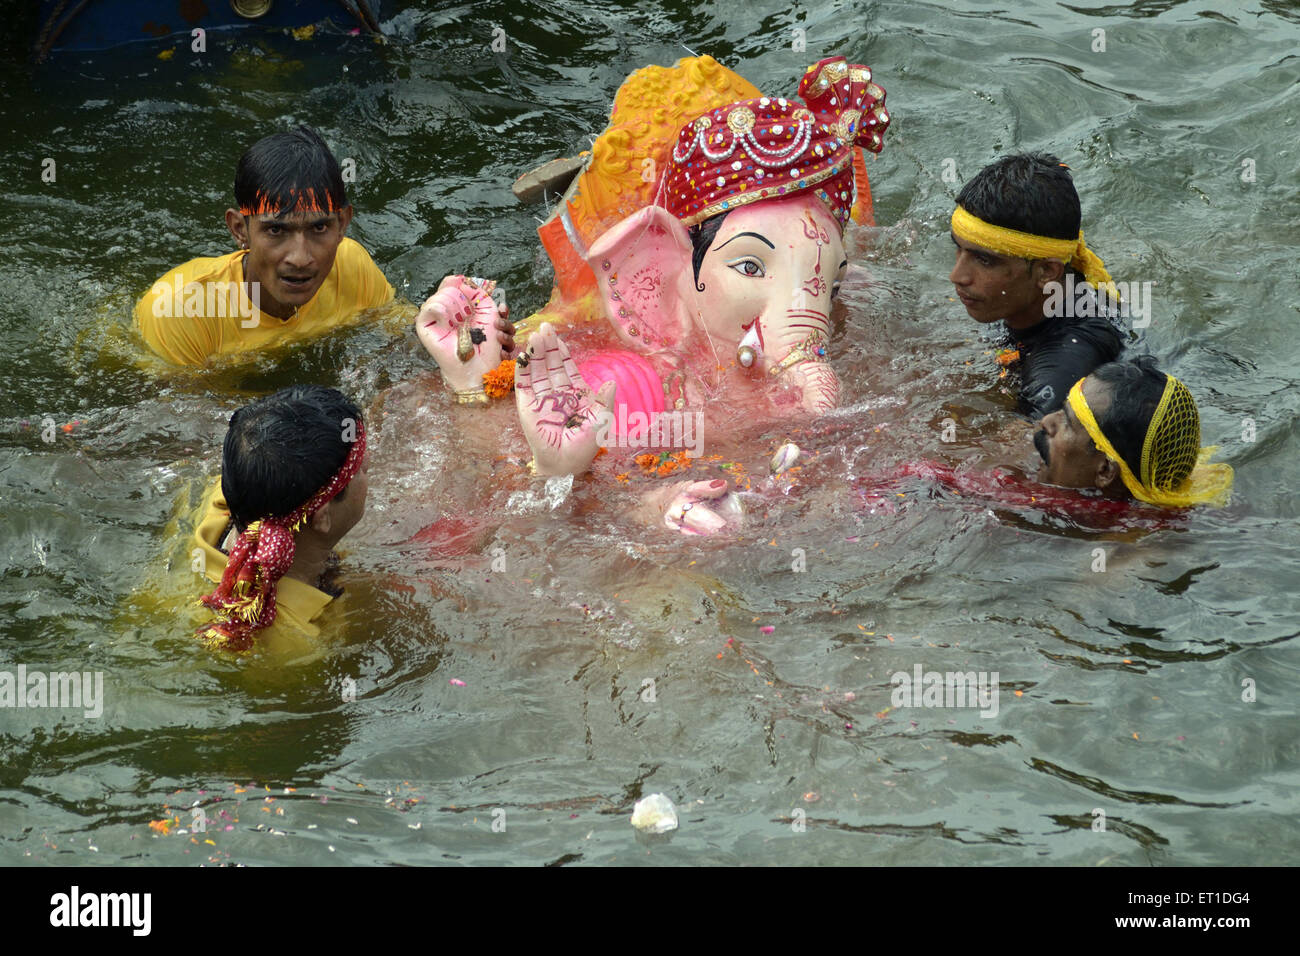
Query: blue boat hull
column 74, row 25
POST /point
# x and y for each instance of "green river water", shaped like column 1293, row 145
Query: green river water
column 1160, row 691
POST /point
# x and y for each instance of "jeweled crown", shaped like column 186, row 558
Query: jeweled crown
column 769, row 148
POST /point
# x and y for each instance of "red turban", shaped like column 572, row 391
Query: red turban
column 769, row 148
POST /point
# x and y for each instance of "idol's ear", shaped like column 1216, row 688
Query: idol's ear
column 644, row 274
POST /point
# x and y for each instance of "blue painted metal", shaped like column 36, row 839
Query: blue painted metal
column 88, row 25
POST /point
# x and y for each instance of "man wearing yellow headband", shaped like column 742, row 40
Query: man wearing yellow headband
column 1017, row 232
column 1131, row 431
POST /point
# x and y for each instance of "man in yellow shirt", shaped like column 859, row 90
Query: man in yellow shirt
column 293, row 483
column 294, row 275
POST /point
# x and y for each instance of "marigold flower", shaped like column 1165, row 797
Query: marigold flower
column 500, row 382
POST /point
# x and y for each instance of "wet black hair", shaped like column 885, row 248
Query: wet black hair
column 282, row 449
column 1136, row 387
column 1029, row 192
column 702, row 235
column 287, row 172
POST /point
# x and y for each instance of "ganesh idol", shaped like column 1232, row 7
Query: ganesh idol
column 705, row 235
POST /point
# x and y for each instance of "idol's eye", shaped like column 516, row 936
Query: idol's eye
column 835, row 290
column 749, row 266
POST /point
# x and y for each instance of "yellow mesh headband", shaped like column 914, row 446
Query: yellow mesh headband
column 1147, row 462
column 1207, row 484
column 1025, row 245
column 1079, row 405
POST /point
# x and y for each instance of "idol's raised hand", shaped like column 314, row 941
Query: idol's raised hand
column 465, row 331
column 560, row 415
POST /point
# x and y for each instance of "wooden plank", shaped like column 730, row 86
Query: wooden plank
column 550, row 178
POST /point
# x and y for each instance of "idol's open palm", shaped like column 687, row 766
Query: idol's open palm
column 561, row 417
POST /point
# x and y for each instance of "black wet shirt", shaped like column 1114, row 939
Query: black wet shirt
column 1058, row 352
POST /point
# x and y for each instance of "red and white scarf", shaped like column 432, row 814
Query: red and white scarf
column 244, row 601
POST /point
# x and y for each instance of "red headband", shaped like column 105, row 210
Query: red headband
column 304, row 200
column 244, row 601
column 768, row 148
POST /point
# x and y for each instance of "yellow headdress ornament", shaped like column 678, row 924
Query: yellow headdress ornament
column 1175, row 470
column 1025, row 245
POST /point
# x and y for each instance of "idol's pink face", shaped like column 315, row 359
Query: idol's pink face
column 767, row 281
column 774, row 266
column 769, row 278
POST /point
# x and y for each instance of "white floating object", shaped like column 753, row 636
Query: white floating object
column 654, row 814
column 785, row 457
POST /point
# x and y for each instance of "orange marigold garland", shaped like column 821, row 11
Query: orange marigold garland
column 663, row 464
column 500, row 382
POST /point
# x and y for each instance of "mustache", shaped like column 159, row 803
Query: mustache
column 1040, row 442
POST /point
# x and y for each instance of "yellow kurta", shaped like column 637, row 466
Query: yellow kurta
column 196, row 312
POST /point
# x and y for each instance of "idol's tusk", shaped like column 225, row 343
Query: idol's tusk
column 749, row 350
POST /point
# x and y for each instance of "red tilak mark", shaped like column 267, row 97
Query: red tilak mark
column 304, row 201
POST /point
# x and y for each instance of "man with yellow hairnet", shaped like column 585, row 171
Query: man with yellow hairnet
column 1131, row 431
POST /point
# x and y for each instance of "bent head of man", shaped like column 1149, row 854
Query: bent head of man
column 1131, row 431
column 293, row 213
column 294, row 477
column 285, row 448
